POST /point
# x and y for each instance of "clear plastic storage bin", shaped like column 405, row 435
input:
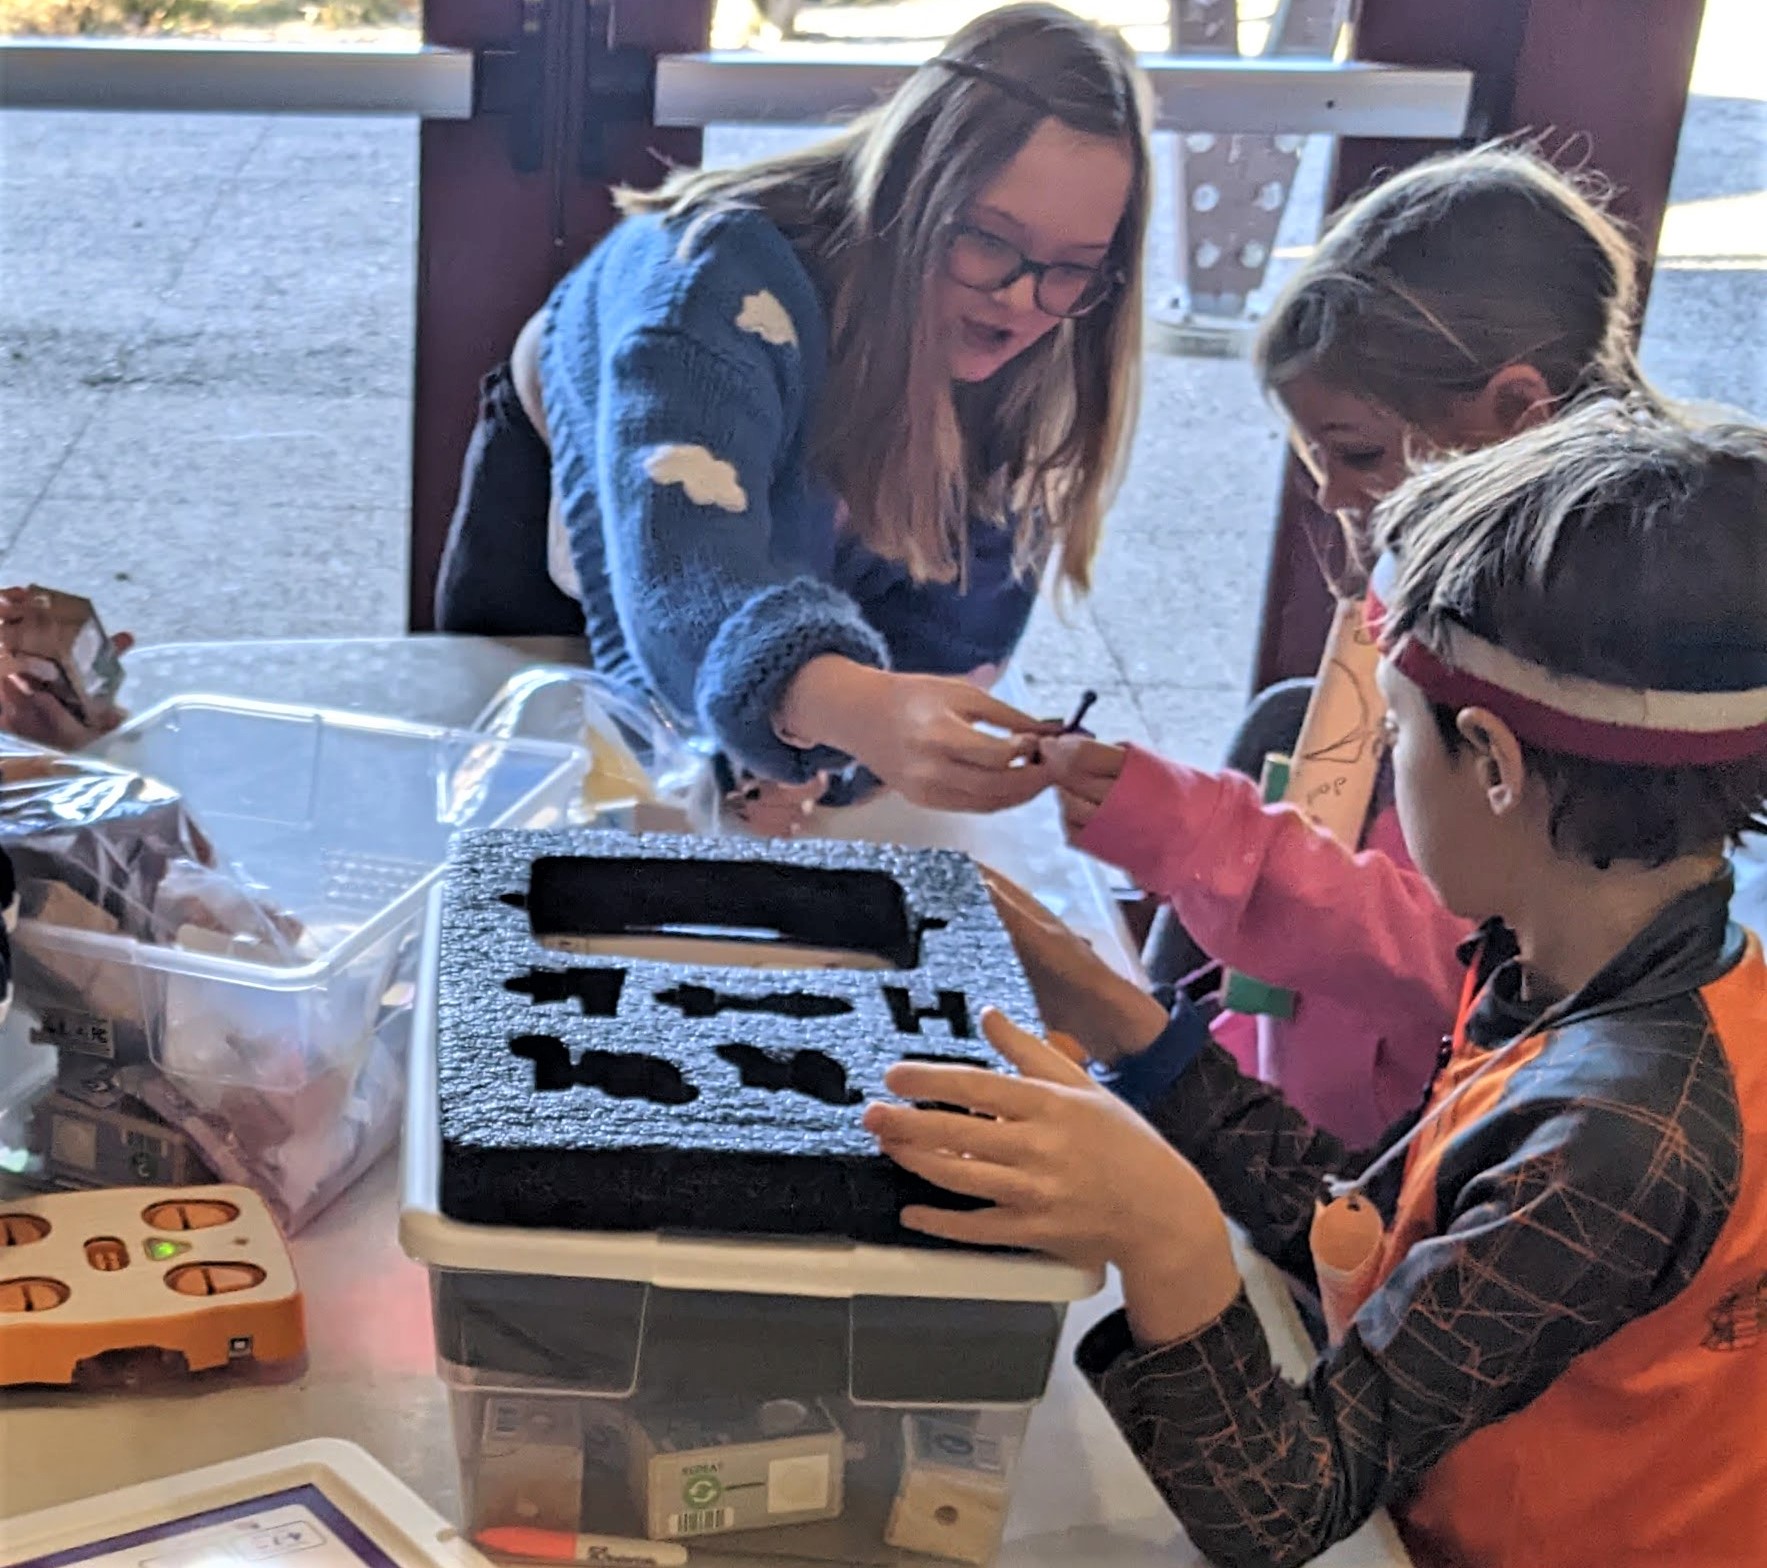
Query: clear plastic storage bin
column 820, row 1401
column 339, row 821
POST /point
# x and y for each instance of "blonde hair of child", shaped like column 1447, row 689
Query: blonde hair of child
column 1432, row 282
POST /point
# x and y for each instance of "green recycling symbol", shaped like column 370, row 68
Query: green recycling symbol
column 702, row 1491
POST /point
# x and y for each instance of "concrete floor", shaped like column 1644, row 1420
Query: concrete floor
column 205, row 347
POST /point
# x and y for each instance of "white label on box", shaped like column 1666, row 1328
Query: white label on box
column 702, row 1521
column 958, row 1445
column 73, row 1143
column 798, row 1486
column 75, row 1031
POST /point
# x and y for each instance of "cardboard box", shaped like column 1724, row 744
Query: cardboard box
column 44, row 630
column 956, row 1484
column 530, row 1463
column 113, row 1146
column 713, row 1468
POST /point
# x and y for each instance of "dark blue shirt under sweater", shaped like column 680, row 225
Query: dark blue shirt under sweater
column 681, row 390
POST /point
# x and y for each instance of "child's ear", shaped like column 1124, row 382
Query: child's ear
column 1497, row 754
column 1517, row 398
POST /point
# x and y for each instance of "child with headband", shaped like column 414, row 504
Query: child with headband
column 1547, row 1291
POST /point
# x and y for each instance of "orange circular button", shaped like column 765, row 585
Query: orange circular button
column 189, row 1214
column 214, row 1279
column 31, row 1295
column 20, row 1230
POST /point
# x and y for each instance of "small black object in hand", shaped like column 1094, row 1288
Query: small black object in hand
column 1076, row 725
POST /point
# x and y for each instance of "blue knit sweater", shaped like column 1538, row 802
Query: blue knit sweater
column 680, row 393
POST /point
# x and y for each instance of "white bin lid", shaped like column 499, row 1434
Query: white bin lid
column 747, row 1265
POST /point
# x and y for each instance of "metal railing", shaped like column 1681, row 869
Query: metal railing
column 1222, row 95
column 146, row 74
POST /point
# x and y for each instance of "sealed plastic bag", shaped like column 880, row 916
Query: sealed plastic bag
column 300, row 1147
column 97, row 849
column 214, row 1052
column 644, row 770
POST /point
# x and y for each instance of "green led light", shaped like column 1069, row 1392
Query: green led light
column 158, row 1251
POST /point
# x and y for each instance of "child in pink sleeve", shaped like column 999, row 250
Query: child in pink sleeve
column 1361, row 939
column 1460, row 302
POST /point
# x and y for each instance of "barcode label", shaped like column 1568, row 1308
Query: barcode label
column 702, row 1521
column 75, row 1031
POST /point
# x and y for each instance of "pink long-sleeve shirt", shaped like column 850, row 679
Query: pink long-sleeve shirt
column 1360, row 938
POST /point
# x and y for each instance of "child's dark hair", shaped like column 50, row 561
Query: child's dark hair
column 1424, row 288
column 1624, row 543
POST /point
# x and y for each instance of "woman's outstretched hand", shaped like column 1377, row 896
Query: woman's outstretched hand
column 1068, row 1169
column 937, row 740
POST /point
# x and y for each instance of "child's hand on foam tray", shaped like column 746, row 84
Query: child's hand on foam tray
column 1084, row 771
column 1077, row 992
column 1069, row 1169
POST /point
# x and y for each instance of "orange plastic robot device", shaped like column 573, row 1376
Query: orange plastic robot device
column 202, row 1275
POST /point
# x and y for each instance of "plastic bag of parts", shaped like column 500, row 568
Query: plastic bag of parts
column 104, row 1124
column 102, row 849
column 302, row 1148
column 169, row 1068
column 644, row 771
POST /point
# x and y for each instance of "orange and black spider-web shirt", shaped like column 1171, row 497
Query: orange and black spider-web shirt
column 1565, row 1364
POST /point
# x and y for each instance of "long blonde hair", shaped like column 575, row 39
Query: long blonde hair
column 1044, row 442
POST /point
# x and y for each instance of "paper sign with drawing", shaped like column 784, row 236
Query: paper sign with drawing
column 1337, row 758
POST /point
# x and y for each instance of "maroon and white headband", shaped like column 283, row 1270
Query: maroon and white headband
column 1570, row 714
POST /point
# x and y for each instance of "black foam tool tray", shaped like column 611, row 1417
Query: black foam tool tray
column 633, row 1093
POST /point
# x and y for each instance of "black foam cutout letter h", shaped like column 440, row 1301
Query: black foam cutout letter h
column 950, row 1006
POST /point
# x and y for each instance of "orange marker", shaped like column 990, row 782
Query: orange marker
column 558, row 1546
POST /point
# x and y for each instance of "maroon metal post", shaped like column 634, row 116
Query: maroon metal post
column 1604, row 80
column 509, row 200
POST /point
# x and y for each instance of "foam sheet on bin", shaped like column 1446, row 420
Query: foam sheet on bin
column 621, row 1092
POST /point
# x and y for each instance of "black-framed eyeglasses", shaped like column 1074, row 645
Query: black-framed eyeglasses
column 986, row 263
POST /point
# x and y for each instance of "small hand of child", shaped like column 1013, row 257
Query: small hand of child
column 1069, row 1169
column 1084, row 771
column 30, row 710
column 1078, row 993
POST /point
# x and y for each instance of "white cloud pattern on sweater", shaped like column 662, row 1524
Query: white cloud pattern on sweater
column 763, row 315
column 708, row 480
